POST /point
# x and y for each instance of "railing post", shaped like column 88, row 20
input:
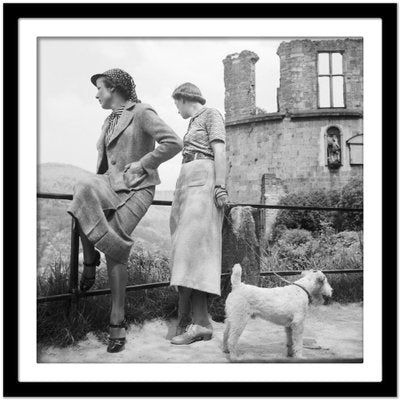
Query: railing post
column 74, row 264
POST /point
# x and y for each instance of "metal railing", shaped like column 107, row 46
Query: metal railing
column 74, row 293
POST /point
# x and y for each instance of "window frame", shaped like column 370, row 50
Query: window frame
column 330, row 76
column 349, row 144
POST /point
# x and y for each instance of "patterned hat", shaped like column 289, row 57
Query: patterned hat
column 121, row 79
column 190, row 92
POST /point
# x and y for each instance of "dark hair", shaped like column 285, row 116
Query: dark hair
column 121, row 90
column 188, row 91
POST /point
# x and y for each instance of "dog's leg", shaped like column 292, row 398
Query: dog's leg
column 236, row 328
column 226, row 335
column 289, row 340
column 297, row 337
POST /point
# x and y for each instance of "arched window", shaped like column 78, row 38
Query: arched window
column 333, row 147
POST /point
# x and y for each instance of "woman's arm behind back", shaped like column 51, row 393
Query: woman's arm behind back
column 169, row 143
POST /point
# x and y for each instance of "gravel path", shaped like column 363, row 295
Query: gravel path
column 331, row 332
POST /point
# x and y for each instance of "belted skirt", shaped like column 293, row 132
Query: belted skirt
column 196, row 229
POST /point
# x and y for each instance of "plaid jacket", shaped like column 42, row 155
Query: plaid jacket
column 133, row 139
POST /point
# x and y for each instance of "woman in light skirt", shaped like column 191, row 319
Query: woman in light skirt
column 197, row 215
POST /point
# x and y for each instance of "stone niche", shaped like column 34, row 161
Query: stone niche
column 333, row 147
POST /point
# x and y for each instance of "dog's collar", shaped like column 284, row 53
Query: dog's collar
column 308, row 293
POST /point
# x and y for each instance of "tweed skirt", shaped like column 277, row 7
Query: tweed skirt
column 108, row 218
column 196, row 225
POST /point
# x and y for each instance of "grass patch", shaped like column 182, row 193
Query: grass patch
column 56, row 326
column 295, row 250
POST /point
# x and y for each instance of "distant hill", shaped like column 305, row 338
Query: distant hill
column 61, row 178
column 54, row 223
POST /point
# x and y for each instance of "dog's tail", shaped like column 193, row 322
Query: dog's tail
column 236, row 277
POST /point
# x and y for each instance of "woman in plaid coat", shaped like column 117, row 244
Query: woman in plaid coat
column 109, row 205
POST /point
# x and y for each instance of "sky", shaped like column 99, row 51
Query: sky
column 70, row 118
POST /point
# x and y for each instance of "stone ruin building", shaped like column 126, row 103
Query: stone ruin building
column 313, row 141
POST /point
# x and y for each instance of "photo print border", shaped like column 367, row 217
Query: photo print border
column 13, row 386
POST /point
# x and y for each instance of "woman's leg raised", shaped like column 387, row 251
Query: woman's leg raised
column 89, row 255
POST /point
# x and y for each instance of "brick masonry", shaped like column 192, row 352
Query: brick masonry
column 239, row 81
column 269, row 155
column 298, row 72
column 291, row 151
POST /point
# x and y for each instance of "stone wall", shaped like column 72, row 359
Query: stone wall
column 271, row 154
column 291, row 151
column 240, row 95
column 298, row 72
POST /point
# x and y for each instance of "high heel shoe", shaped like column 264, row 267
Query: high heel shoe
column 86, row 283
column 115, row 345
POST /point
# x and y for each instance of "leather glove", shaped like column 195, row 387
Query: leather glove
column 220, row 196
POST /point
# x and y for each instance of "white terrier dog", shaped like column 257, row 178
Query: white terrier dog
column 286, row 306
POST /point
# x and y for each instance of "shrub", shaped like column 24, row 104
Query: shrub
column 351, row 196
column 296, row 237
column 309, row 220
column 295, row 247
column 298, row 250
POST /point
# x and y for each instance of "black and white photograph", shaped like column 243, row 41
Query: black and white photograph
column 202, row 198
column 220, row 146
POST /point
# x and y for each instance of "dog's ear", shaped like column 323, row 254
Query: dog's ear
column 321, row 277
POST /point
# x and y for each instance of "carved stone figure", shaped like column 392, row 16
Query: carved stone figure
column 333, row 151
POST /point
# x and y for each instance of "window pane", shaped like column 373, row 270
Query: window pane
column 324, row 99
column 337, row 63
column 323, row 63
column 356, row 154
column 337, row 91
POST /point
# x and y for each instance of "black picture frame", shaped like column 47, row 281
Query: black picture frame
column 12, row 386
